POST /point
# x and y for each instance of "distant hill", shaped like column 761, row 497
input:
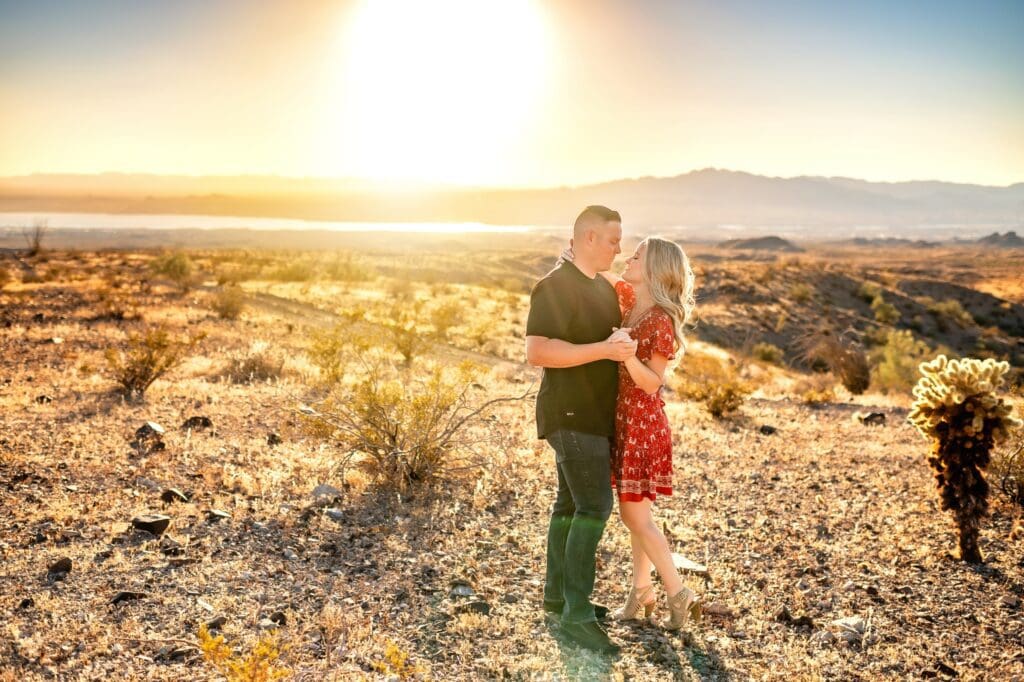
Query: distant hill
column 1010, row 239
column 762, row 244
column 732, row 202
column 893, row 242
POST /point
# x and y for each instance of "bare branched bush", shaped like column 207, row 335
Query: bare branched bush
column 403, row 330
column 406, row 430
column 841, row 353
column 446, row 316
column 34, row 237
column 259, row 362
column 146, row 357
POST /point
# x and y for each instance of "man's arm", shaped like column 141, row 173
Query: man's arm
column 544, row 352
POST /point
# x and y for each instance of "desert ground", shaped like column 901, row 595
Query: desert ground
column 814, row 539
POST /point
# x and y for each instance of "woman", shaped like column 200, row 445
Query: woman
column 656, row 295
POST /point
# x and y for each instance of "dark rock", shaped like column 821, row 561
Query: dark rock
column 173, row 495
column 767, row 429
column 273, row 439
column 26, row 603
column 197, row 422
column 461, row 588
column 59, row 569
column 152, row 523
column 126, row 595
column 785, row 617
column 214, row 515
column 511, row 598
column 873, row 419
column 216, row 623
column 478, row 606
column 43, row 399
column 149, row 430
column 279, row 618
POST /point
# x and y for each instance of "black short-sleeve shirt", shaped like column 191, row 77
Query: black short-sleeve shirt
column 570, row 306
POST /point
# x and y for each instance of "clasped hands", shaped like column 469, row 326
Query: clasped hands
column 621, row 346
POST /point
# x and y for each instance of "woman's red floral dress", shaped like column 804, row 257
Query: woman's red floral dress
column 642, row 455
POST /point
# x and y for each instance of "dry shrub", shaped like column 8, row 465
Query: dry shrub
column 403, row 330
column 406, row 430
column 257, row 363
column 1007, row 465
column 5, row 276
column 229, row 302
column 34, row 237
column 446, row 316
column 841, row 353
column 767, row 352
column 801, row 293
column 705, row 379
column 816, row 389
column 177, row 267
column 885, row 313
column 257, row 666
column 146, row 357
column 949, row 311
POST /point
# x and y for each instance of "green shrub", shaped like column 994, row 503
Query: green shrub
column 446, row 316
column 950, row 310
column 894, row 364
column 295, row 271
column 885, row 313
column 705, row 379
column 177, row 267
column 767, row 352
column 869, row 291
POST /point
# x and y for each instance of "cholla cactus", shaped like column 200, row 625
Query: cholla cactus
column 958, row 409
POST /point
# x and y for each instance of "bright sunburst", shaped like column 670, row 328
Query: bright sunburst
column 438, row 91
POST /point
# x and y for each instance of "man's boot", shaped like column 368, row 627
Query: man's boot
column 591, row 636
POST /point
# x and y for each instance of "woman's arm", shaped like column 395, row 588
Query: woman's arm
column 648, row 376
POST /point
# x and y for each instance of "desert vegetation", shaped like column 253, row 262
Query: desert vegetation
column 228, row 464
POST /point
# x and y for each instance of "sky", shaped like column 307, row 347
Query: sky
column 517, row 93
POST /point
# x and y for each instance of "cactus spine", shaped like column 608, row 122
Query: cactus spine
column 957, row 408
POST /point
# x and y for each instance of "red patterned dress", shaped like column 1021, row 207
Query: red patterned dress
column 642, row 454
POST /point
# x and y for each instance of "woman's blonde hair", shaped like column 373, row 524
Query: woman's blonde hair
column 670, row 282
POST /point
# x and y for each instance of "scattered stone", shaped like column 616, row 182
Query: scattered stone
column 461, row 589
column 871, row 418
column 196, row 423
column 848, row 586
column 786, row 618
column 851, row 624
column 152, row 523
column 511, row 598
column 290, row 555
column 476, row 606
column 216, row 623
column 175, row 652
column 59, row 569
column 267, row 624
column 823, row 638
column 273, row 439
column 335, row 515
column 803, row 585
column 149, row 430
column 278, row 617
column 173, row 495
column 718, row 609
column 1010, row 601
column 43, row 399
column 684, row 564
column 767, row 429
column 214, row 515
column 126, row 595
column 56, row 340
column 26, row 603
column 325, row 494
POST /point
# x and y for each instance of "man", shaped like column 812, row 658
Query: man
column 573, row 311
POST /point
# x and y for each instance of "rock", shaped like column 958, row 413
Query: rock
column 718, row 609
column 214, row 515
column 26, row 603
column 851, row 624
column 126, row 595
column 173, row 495
column 871, row 418
column 848, row 586
column 152, row 523
column 785, row 617
column 335, row 515
column 267, row 624
column 511, row 598
column 216, row 623
column 823, row 638
column 278, row 617
column 290, row 555
column 56, row 340
column 149, row 430
column 196, row 423
column 684, row 564
column 476, row 606
column 273, row 439
column 43, row 399
column 767, row 429
column 803, row 585
column 325, row 494
column 1010, row 601
column 59, row 569
column 461, row 589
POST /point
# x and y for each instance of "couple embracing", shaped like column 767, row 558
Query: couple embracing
column 605, row 342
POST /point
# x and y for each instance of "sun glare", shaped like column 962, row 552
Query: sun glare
column 438, row 91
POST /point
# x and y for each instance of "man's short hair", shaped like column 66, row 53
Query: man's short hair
column 592, row 215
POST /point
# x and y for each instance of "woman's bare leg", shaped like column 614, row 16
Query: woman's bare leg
column 641, row 563
column 638, row 519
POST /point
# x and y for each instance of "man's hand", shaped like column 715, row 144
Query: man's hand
column 620, row 351
column 620, row 334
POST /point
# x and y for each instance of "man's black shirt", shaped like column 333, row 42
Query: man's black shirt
column 570, row 306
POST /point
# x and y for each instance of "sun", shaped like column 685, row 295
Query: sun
column 439, row 91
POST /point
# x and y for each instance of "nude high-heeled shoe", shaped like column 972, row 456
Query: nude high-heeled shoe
column 635, row 601
column 684, row 605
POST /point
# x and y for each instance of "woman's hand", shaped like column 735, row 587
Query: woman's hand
column 567, row 255
column 620, row 334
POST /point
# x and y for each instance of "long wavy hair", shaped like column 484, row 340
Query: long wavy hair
column 670, row 282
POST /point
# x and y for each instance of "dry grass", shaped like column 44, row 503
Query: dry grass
column 826, row 517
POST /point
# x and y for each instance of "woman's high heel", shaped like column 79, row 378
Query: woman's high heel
column 682, row 606
column 637, row 600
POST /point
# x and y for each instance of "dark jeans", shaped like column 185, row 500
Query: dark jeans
column 578, row 518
